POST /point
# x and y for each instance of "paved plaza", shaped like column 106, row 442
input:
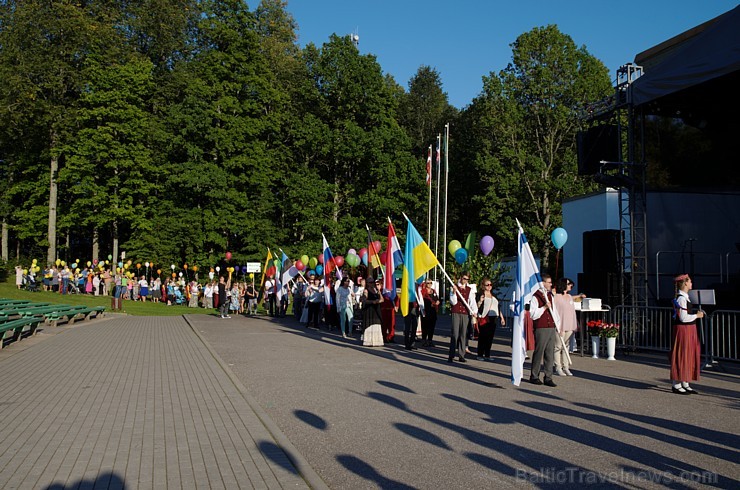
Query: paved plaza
column 205, row 402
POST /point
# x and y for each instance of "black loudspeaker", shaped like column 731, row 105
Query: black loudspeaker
column 602, row 285
column 601, row 251
column 597, row 144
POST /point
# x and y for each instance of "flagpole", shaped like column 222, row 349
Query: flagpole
column 429, row 185
column 371, row 244
column 470, row 309
column 447, row 174
column 436, row 230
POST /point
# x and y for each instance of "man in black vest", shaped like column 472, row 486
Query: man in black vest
column 545, row 333
column 462, row 317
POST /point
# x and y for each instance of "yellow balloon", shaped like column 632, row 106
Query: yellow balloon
column 251, row 275
column 64, row 263
column 89, row 263
column 34, row 261
column 25, row 271
column 57, row 262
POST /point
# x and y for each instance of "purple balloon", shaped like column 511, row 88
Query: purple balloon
column 486, row 245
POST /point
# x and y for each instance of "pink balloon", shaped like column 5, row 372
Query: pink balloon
column 383, row 256
column 320, row 258
column 378, row 246
column 299, row 265
column 363, row 252
column 339, row 260
column 228, row 255
column 351, row 251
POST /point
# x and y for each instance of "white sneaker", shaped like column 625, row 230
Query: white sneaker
column 559, row 372
column 567, row 372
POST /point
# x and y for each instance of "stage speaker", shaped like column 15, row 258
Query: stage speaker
column 602, row 285
column 601, row 251
column 596, row 144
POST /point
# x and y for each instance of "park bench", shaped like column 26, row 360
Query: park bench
column 16, row 328
column 71, row 315
column 5, row 301
column 16, row 309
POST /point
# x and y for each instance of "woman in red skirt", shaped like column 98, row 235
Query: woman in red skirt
column 685, row 351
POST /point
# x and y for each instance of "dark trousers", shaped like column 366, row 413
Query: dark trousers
column 428, row 324
column 271, row 304
column 224, row 307
column 486, row 331
column 314, row 309
column 410, row 322
column 544, row 350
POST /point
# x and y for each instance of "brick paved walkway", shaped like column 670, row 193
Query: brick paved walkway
column 131, row 402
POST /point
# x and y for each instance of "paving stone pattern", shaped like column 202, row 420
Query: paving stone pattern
column 131, row 403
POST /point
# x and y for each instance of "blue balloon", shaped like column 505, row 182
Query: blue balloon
column 364, row 260
column 559, row 236
column 74, row 266
column 120, row 264
column 461, row 255
column 319, row 269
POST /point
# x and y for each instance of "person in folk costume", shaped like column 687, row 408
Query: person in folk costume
column 429, row 318
column 372, row 301
column 685, row 353
column 545, row 320
column 464, row 312
column 388, row 309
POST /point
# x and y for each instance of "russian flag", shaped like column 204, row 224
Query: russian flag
column 328, row 267
column 393, row 258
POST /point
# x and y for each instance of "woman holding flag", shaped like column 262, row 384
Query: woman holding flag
column 371, row 301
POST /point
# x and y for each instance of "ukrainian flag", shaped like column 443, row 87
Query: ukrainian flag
column 417, row 261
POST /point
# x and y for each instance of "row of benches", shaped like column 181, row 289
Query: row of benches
column 22, row 317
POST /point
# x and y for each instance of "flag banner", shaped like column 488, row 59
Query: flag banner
column 328, row 267
column 393, row 258
column 417, row 261
column 373, row 259
column 439, row 153
column 528, row 281
column 287, row 272
column 429, row 166
column 264, row 272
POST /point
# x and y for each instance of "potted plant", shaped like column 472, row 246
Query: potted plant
column 594, row 330
column 610, row 331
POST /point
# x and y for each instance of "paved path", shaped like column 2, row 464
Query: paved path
column 389, row 418
column 130, row 402
column 202, row 402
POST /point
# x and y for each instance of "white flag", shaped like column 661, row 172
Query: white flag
column 528, row 281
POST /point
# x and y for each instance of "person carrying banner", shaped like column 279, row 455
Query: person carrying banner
column 545, row 333
column 463, row 315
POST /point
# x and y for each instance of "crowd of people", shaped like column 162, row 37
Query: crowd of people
column 360, row 307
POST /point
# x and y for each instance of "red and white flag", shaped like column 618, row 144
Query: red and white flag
column 429, row 166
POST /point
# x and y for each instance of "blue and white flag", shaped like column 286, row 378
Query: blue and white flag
column 528, row 281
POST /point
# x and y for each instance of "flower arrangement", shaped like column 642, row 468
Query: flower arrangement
column 599, row 328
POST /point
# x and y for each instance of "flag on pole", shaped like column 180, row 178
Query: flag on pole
column 528, row 281
column 429, row 166
column 373, row 259
column 328, row 267
column 264, row 272
column 417, row 261
column 439, row 153
column 393, row 258
column 289, row 270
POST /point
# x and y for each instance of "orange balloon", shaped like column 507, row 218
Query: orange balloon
column 159, row 271
column 174, row 275
column 185, row 266
column 195, row 268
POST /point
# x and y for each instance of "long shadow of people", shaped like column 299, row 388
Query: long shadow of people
column 109, row 480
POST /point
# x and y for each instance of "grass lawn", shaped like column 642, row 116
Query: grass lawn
column 8, row 290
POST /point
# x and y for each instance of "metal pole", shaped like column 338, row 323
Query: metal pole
column 436, row 230
column 429, row 185
column 447, row 173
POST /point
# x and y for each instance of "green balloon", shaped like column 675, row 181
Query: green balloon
column 353, row 260
column 304, row 259
column 312, row 263
column 453, row 247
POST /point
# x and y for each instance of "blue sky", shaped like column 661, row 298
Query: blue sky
column 467, row 39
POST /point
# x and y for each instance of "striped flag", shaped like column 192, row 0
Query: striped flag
column 328, row 267
column 373, row 259
column 439, row 153
column 417, row 261
column 429, row 166
column 528, row 281
column 393, row 258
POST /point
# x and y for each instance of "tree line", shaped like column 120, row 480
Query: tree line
column 178, row 129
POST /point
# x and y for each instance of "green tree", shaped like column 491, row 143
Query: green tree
column 523, row 129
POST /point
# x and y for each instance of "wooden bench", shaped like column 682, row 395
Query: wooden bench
column 4, row 302
column 69, row 316
column 16, row 328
